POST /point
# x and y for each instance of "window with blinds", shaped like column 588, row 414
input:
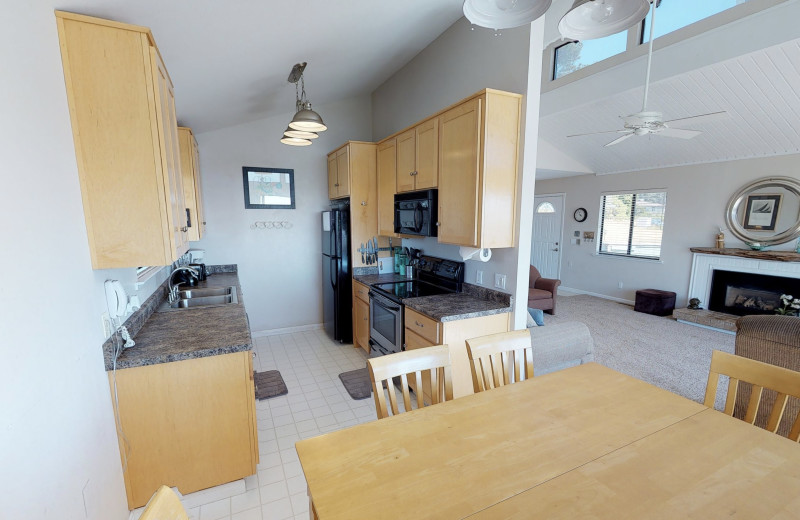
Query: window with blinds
column 632, row 224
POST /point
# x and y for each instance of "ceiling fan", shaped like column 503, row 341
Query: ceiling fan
column 650, row 122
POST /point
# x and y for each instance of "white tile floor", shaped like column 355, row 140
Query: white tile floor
column 317, row 403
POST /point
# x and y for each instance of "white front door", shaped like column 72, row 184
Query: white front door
column 548, row 220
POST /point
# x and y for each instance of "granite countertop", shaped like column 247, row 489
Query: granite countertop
column 456, row 306
column 177, row 335
column 472, row 302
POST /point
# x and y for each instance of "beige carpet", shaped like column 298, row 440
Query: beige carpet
column 674, row 356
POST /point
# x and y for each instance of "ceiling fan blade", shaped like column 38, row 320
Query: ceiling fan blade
column 681, row 133
column 620, row 139
column 604, row 132
column 707, row 117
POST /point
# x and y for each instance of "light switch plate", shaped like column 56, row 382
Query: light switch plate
column 500, row 281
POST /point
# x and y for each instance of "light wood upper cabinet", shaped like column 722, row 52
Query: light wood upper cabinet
column 417, row 157
column 192, row 191
column 387, row 172
column 478, row 151
column 339, row 173
column 406, row 160
column 122, row 109
column 356, row 171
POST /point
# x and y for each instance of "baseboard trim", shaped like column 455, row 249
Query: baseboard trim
column 598, row 295
column 285, row 330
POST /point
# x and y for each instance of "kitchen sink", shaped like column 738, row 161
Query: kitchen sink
column 206, row 292
column 202, row 297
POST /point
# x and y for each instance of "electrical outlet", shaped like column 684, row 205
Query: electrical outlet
column 479, row 277
column 619, row 285
column 107, row 328
column 500, row 281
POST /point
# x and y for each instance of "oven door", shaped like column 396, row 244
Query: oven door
column 385, row 325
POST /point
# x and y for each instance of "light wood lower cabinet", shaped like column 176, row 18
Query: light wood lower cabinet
column 361, row 316
column 419, row 333
column 189, row 424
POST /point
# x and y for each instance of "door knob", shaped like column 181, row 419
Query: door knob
column 556, row 249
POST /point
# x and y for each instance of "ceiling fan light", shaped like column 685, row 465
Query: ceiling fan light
column 307, row 120
column 589, row 19
column 504, row 14
column 301, row 134
column 295, row 141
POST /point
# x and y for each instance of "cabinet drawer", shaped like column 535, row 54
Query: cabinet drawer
column 422, row 325
column 361, row 291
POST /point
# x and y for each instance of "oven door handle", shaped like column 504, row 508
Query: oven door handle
column 380, row 301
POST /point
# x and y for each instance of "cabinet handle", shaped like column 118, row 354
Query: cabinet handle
column 413, row 173
column 418, row 324
column 184, row 229
column 204, row 222
column 363, row 202
column 337, row 184
column 438, row 223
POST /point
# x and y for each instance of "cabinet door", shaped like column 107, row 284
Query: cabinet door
column 333, row 183
column 191, row 182
column 459, row 186
column 343, row 172
column 427, row 137
column 170, row 157
column 361, row 323
column 198, row 191
column 406, row 161
column 387, row 173
column 413, row 342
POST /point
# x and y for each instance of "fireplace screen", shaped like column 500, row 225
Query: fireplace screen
column 741, row 294
column 751, row 299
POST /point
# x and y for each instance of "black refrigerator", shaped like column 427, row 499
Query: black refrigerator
column 337, row 299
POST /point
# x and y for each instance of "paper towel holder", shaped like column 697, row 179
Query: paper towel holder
column 468, row 253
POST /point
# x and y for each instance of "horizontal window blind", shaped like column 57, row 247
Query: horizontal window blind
column 632, row 224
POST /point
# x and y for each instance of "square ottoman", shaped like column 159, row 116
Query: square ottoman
column 653, row 301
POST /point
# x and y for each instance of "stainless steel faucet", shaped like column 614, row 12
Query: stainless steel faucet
column 173, row 289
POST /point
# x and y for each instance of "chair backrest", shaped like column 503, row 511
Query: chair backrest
column 433, row 362
column 164, row 505
column 761, row 375
column 533, row 275
column 500, row 359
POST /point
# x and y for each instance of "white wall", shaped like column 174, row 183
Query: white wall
column 696, row 200
column 58, row 445
column 280, row 270
column 457, row 64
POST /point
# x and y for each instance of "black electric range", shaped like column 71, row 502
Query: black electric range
column 434, row 276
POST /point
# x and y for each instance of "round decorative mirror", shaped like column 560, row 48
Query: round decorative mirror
column 765, row 212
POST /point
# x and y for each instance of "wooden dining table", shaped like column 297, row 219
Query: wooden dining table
column 586, row 442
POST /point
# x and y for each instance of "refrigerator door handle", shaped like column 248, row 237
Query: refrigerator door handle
column 333, row 274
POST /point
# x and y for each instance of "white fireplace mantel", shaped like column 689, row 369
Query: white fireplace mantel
column 704, row 265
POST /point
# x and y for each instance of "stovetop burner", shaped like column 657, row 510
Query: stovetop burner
column 410, row 289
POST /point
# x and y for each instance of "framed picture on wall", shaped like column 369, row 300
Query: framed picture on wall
column 761, row 212
column 268, row 188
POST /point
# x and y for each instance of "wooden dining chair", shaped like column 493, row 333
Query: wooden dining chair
column 433, row 362
column 500, row 359
column 761, row 375
column 164, row 505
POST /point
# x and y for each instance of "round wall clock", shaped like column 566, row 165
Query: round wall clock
column 580, row 214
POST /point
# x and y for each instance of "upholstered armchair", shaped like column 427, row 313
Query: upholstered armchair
column 542, row 292
column 774, row 340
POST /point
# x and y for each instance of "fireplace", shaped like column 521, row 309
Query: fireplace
column 739, row 293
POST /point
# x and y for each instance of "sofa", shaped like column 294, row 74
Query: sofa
column 770, row 339
column 559, row 346
column 542, row 292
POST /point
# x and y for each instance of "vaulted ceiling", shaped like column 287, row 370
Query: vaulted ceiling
column 230, row 60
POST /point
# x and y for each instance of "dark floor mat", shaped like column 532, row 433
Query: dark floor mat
column 357, row 383
column 269, row 384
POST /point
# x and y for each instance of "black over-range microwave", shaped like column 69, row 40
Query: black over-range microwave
column 415, row 213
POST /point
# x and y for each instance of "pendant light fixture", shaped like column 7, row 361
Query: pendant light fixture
column 504, row 14
column 590, row 19
column 306, row 123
